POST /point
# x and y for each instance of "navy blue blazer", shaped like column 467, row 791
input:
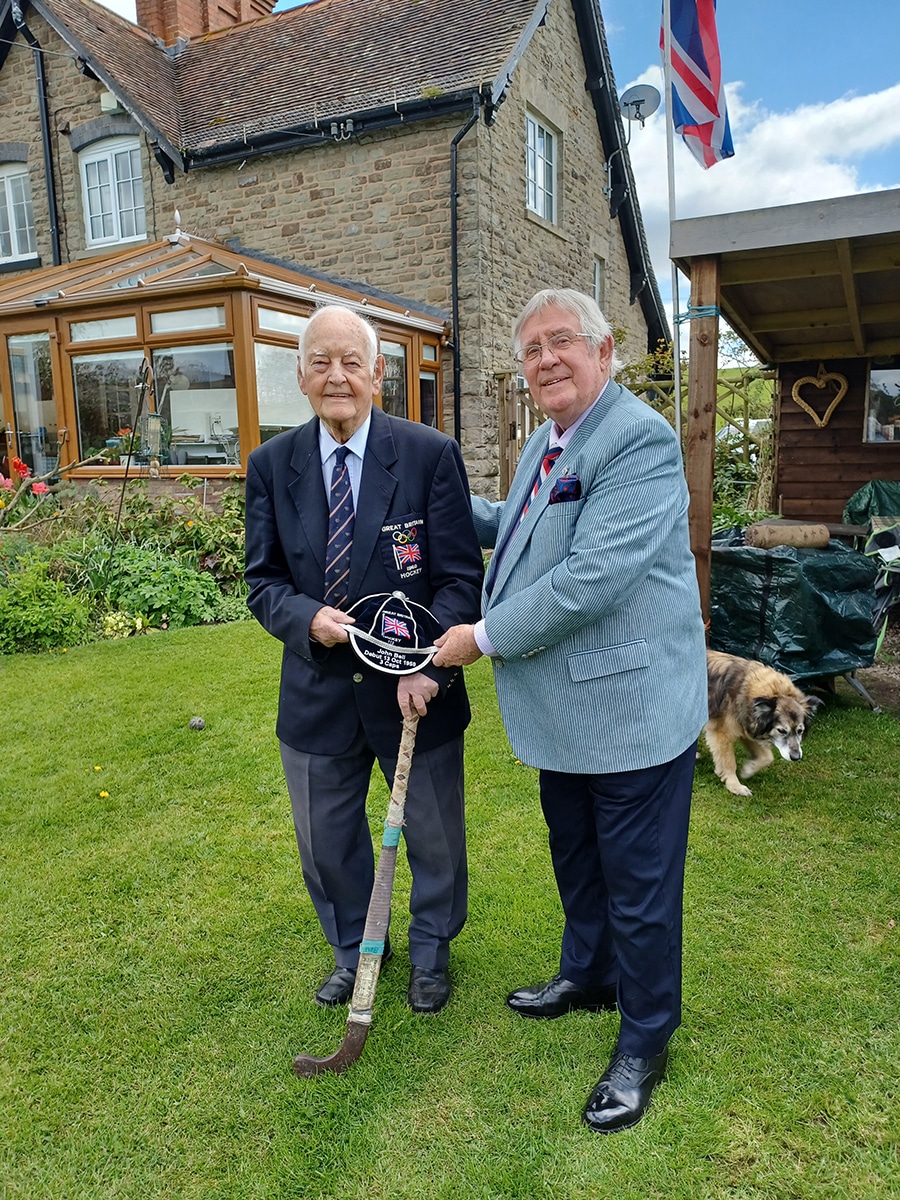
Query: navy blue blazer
column 411, row 475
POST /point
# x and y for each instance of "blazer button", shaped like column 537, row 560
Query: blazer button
column 357, row 678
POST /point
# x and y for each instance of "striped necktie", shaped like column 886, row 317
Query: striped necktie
column 546, row 467
column 340, row 532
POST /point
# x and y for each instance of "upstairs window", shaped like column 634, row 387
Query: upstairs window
column 541, row 154
column 113, row 192
column 17, row 239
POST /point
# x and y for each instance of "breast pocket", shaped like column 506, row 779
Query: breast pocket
column 404, row 547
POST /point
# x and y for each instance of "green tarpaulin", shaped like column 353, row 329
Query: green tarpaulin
column 807, row 613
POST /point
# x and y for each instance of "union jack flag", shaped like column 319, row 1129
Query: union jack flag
column 394, row 625
column 409, row 554
column 698, row 93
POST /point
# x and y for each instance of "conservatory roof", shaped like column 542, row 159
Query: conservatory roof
column 183, row 263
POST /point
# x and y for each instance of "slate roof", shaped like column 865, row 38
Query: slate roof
column 292, row 70
column 277, row 82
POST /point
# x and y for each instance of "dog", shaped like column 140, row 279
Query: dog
column 758, row 706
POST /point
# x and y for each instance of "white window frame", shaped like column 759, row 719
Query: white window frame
column 112, row 190
column 16, row 213
column 542, row 145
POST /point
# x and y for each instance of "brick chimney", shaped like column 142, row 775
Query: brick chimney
column 170, row 20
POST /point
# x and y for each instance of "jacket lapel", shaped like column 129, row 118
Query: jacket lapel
column 509, row 539
column 307, row 489
column 526, row 473
column 376, row 490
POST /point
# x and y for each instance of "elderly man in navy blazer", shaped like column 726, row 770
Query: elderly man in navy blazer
column 591, row 614
column 355, row 503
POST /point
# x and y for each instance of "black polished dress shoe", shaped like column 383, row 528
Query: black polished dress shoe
column 338, row 987
column 429, row 990
column 623, row 1092
column 560, row 996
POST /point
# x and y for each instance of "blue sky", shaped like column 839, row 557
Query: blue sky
column 813, row 95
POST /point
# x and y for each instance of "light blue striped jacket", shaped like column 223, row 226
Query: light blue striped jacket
column 592, row 606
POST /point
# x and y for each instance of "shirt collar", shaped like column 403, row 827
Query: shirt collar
column 356, row 444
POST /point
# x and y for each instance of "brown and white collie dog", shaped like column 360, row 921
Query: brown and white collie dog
column 757, row 706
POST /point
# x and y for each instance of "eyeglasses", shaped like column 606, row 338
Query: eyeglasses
column 558, row 344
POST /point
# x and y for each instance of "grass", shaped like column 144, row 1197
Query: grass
column 158, row 956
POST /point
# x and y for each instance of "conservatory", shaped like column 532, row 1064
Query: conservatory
column 181, row 357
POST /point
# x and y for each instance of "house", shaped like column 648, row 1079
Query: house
column 180, row 193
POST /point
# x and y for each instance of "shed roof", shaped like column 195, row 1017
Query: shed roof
column 805, row 281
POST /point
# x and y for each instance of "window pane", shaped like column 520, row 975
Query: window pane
column 17, row 232
column 883, row 407
column 281, row 403
column 187, row 318
column 281, row 322
column 6, row 247
column 112, row 327
column 106, row 399
column 540, row 169
column 33, row 403
column 393, row 388
column 114, row 191
column 197, row 401
column 429, row 352
column 23, row 217
column 428, row 397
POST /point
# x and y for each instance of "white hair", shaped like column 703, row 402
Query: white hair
column 593, row 324
column 369, row 331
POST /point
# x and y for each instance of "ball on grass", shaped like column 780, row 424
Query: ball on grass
column 196, row 723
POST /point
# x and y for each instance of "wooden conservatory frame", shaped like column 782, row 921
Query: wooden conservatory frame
column 180, row 295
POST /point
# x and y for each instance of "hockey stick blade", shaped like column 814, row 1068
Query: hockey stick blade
column 348, row 1052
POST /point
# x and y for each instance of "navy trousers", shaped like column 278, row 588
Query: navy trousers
column 618, row 843
column 328, row 800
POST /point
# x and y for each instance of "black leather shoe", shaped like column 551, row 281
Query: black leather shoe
column 338, row 987
column 429, row 990
column 560, row 996
column 623, row 1092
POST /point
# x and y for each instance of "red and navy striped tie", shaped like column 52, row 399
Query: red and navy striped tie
column 340, row 532
column 546, row 467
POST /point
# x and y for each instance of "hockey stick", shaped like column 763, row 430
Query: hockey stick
column 378, row 916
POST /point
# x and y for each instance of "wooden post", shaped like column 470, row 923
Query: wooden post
column 701, row 425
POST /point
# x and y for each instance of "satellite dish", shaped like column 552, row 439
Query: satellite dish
column 639, row 102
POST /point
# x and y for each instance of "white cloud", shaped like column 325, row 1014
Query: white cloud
column 810, row 153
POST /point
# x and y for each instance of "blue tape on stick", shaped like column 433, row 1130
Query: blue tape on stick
column 371, row 947
column 391, row 835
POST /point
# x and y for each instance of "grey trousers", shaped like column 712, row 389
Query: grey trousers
column 328, row 801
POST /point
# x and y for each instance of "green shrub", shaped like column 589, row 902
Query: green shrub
column 39, row 613
column 146, row 581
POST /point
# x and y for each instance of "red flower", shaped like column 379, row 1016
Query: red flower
column 20, row 468
column 39, row 488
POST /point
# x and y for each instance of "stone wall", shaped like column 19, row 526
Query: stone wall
column 507, row 253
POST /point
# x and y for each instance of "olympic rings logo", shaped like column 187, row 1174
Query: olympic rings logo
column 403, row 539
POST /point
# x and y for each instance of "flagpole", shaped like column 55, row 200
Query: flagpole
column 670, row 174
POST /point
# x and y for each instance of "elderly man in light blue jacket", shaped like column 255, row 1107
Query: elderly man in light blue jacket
column 591, row 615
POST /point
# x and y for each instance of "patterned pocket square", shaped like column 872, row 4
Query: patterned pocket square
column 567, row 487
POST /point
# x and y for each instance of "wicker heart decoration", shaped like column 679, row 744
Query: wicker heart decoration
column 820, row 381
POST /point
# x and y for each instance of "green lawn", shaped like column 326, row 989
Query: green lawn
column 158, row 956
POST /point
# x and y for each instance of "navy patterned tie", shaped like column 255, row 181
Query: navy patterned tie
column 340, row 532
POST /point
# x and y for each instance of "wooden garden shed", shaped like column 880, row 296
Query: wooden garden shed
column 814, row 289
